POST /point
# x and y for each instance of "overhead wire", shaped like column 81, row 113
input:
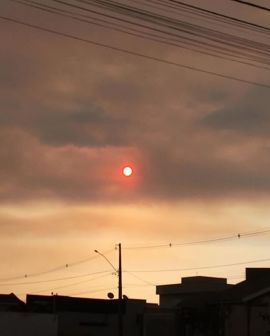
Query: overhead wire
column 53, row 279
column 200, row 267
column 140, row 279
column 252, row 4
column 176, row 25
column 93, row 291
column 133, row 53
column 52, row 270
column 51, row 289
column 111, row 3
column 108, row 16
column 235, row 236
column 175, row 41
column 199, row 14
column 129, row 286
column 232, row 19
column 217, row 239
column 126, row 21
column 235, row 44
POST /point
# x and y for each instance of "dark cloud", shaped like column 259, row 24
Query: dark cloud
column 208, row 176
column 31, row 170
column 88, row 126
column 249, row 115
column 85, row 125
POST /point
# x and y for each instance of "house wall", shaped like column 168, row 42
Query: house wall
column 260, row 317
column 87, row 324
column 170, row 301
column 259, row 322
column 132, row 318
column 90, row 324
column 158, row 324
column 138, row 320
column 249, row 319
column 27, row 324
column 235, row 323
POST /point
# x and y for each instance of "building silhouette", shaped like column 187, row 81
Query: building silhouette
column 197, row 306
column 209, row 306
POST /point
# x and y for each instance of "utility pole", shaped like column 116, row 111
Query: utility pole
column 120, row 287
column 120, row 293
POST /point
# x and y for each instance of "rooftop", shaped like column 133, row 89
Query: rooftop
column 194, row 284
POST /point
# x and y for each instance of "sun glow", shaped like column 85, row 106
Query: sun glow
column 127, row 171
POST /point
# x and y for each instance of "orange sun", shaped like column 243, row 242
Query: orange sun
column 127, row 171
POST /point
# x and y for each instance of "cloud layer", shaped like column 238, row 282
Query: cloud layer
column 71, row 116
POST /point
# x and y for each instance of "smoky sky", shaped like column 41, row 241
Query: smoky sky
column 71, row 114
column 248, row 116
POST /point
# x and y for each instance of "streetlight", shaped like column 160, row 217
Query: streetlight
column 120, row 287
column 103, row 256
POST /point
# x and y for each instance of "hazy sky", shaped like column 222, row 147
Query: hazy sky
column 73, row 114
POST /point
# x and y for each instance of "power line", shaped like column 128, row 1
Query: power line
column 190, row 44
column 168, row 245
column 220, row 15
column 140, row 279
column 252, row 4
column 198, row 242
column 147, row 284
column 200, row 14
column 54, row 279
column 107, row 289
column 166, row 22
column 74, row 283
column 145, row 16
column 94, row 291
column 180, row 6
column 200, row 267
column 65, row 266
column 133, row 53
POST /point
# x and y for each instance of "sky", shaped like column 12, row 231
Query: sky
column 73, row 114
